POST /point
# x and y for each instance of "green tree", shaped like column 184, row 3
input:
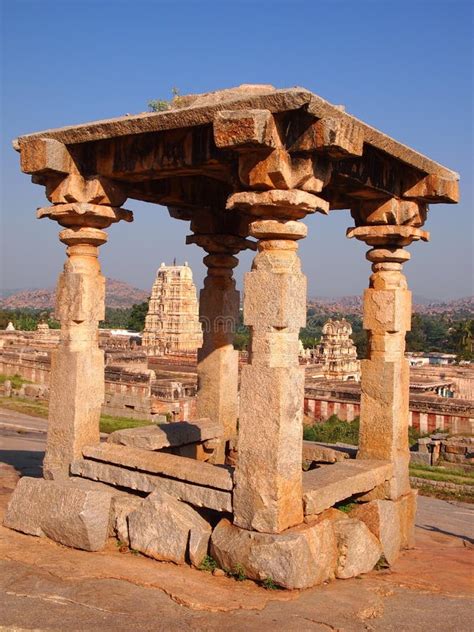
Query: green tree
column 461, row 336
column 136, row 320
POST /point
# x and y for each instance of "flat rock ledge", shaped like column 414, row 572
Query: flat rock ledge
column 300, row 557
column 74, row 515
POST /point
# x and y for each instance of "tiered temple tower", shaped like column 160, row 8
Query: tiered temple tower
column 172, row 323
column 337, row 352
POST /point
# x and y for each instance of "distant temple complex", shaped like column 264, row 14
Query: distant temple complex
column 337, row 353
column 172, row 323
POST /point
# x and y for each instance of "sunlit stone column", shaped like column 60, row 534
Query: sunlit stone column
column 268, row 489
column 77, row 365
column 385, row 380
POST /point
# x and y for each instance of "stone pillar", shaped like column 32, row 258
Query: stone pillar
column 218, row 361
column 385, row 382
column 77, row 365
column 268, row 478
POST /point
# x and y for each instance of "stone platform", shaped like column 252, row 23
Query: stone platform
column 153, row 501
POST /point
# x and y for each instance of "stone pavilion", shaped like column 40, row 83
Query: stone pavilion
column 243, row 167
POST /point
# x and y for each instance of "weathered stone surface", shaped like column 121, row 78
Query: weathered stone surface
column 237, row 129
column 76, row 188
column 420, row 458
column 263, row 172
column 170, row 465
column 122, row 477
column 73, row 418
column 391, row 521
column 63, row 511
column 46, row 155
column 339, row 137
column 331, row 514
column 271, row 229
column 387, row 313
column 166, row 529
column 77, row 365
column 297, row 558
column 313, row 451
column 276, row 203
column 327, row 485
column 167, row 435
column 122, row 507
column 267, row 495
column 407, row 513
column 218, row 361
column 359, row 549
column 434, row 187
column 383, row 519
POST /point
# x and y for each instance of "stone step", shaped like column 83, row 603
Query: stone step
column 330, row 484
column 169, row 465
column 122, row 477
column 314, row 451
column 167, row 435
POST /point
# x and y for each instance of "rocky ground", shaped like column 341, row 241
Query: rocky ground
column 45, row 586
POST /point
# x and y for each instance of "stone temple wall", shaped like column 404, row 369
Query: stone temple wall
column 426, row 413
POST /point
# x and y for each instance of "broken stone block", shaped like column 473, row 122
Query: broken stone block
column 420, row 458
column 382, row 518
column 166, row 529
column 359, row 549
column 122, row 507
column 73, row 515
column 391, row 521
column 299, row 557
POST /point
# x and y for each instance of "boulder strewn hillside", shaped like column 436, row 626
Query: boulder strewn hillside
column 352, row 305
column 118, row 294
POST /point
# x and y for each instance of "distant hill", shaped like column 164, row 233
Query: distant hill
column 117, row 294
column 352, row 305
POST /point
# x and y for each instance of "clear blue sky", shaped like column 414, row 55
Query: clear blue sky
column 402, row 66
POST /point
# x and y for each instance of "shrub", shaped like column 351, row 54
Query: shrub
column 334, row 430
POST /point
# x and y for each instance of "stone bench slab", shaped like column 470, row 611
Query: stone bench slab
column 122, row 477
column 330, row 484
column 167, row 435
column 170, row 465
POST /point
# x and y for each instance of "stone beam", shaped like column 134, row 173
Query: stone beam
column 338, row 137
column 157, row 155
column 377, row 175
column 46, row 156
